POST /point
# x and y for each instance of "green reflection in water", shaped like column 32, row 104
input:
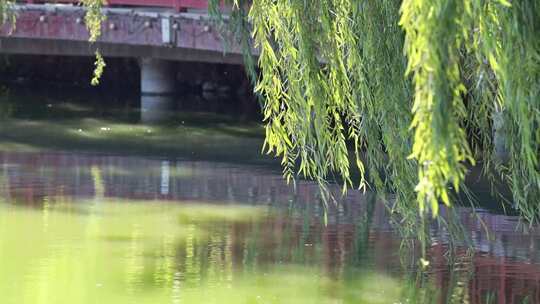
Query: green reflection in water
column 134, row 252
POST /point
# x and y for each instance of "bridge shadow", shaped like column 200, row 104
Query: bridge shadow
column 113, row 125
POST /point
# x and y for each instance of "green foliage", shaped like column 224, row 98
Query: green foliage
column 435, row 33
column 511, row 45
column 358, row 97
column 412, row 85
column 309, row 108
column 98, row 70
column 7, row 14
column 93, row 18
column 236, row 25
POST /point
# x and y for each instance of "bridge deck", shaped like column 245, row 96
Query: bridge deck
column 178, row 5
column 167, row 30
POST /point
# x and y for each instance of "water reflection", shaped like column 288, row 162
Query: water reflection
column 156, row 108
column 98, row 228
column 117, row 125
column 127, row 229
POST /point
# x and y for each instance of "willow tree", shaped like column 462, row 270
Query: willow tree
column 403, row 92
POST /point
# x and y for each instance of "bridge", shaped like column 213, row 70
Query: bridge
column 154, row 32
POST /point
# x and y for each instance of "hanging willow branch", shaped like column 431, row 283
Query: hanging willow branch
column 512, row 47
column 7, row 13
column 93, row 20
column 236, row 29
column 337, row 85
column 435, row 31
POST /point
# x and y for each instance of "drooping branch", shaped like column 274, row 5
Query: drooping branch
column 459, row 54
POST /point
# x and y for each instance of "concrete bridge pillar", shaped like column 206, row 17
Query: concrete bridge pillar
column 157, row 77
column 157, row 90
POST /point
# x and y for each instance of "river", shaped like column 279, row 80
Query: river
column 99, row 207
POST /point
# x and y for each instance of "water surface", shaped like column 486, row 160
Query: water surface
column 97, row 207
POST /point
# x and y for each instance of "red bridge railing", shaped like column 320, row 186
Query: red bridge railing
column 177, row 5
